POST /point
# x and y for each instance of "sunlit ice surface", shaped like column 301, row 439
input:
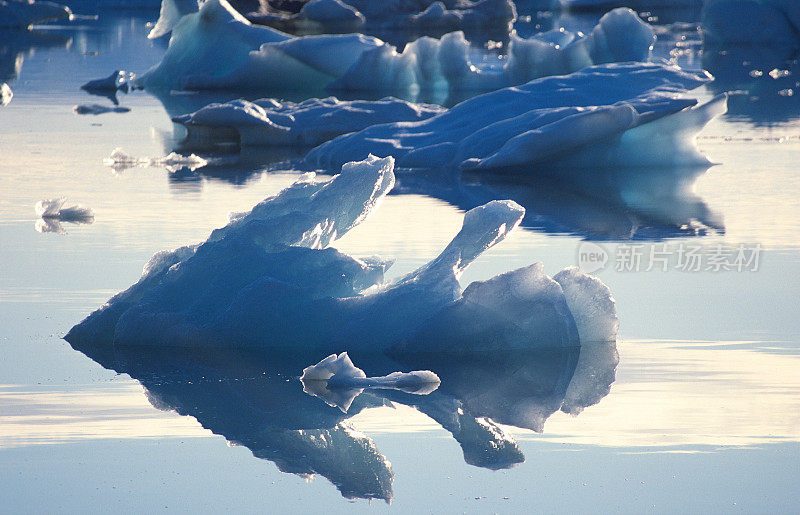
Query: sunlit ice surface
column 702, row 411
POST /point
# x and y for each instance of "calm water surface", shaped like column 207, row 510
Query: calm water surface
column 696, row 407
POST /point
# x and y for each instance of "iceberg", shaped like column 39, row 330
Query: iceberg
column 218, row 49
column 269, row 280
column 5, row 94
column 305, row 124
column 613, row 115
column 21, row 14
column 337, row 381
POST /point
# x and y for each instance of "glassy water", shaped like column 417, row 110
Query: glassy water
column 695, row 407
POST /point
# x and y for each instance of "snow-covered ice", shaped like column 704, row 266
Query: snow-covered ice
column 22, row 14
column 217, row 48
column 268, row 280
column 307, row 124
column 96, row 109
column 337, row 381
column 619, row 114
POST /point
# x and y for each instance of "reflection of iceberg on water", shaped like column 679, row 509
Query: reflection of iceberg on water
column 268, row 280
column 252, row 398
column 217, row 48
column 601, row 204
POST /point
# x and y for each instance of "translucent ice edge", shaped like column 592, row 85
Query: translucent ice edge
column 267, row 279
column 620, row 114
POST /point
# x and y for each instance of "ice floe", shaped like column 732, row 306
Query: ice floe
column 21, row 14
column 619, row 114
column 216, row 48
column 268, row 280
column 117, row 80
column 305, row 124
column 337, row 381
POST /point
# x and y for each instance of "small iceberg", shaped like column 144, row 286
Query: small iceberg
column 21, row 14
column 5, row 94
column 305, row 124
column 96, row 109
column 269, row 280
column 612, row 115
column 337, row 381
column 119, row 160
column 218, row 49
column 52, row 212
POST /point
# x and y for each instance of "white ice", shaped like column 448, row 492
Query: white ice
column 216, row 48
column 621, row 114
column 270, row 279
column 119, row 160
column 21, row 14
column 307, row 124
column 337, row 381
column 96, row 109
column 5, row 94
column 53, row 209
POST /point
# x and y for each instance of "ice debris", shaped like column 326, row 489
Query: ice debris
column 5, row 94
column 52, row 212
column 337, row 381
column 613, row 115
column 305, row 124
column 21, row 14
column 96, row 109
column 216, row 48
column 268, row 280
column 119, row 160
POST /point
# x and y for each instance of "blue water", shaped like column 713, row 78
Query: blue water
column 702, row 413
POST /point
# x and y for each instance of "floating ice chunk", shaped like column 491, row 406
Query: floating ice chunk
column 21, row 14
column 307, row 124
column 337, row 381
column 96, row 109
column 52, row 212
column 216, row 48
column 117, row 80
column 620, row 114
column 5, row 94
column 119, row 160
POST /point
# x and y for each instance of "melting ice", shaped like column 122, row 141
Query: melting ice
column 269, row 279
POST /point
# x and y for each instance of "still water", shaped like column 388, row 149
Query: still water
column 696, row 407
